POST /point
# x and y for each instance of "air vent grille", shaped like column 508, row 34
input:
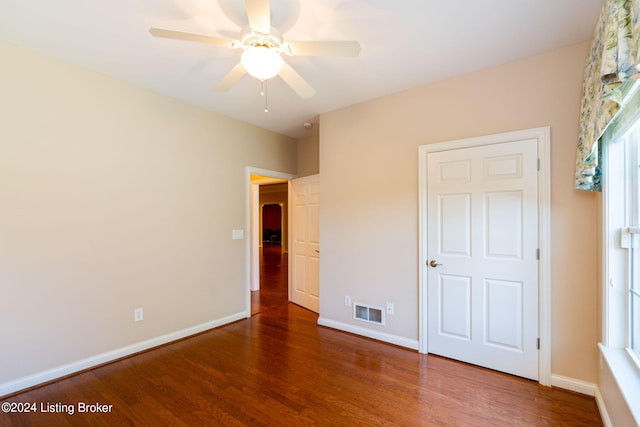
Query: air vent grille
column 368, row 313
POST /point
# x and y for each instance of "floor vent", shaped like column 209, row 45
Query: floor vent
column 368, row 314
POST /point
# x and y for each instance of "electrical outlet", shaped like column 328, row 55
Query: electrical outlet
column 347, row 301
column 390, row 308
column 138, row 315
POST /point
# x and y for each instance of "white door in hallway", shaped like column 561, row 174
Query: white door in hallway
column 305, row 242
column 482, row 255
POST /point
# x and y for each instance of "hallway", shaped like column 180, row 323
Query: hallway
column 273, row 280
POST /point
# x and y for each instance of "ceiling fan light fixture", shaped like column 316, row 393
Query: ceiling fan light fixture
column 262, row 62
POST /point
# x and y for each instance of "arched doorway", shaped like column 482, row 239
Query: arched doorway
column 272, row 224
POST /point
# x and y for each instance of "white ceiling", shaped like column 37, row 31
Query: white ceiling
column 405, row 44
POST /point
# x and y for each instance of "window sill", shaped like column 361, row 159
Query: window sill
column 626, row 375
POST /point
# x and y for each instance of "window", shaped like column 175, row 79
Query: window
column 632, row 149
column 623, row 212
column 620, row 346
column 634, row 297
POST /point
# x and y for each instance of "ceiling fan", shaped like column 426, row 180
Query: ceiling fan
column 263, row 47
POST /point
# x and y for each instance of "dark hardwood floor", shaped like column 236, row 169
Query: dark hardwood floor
column 279, row 368
column 273, row 280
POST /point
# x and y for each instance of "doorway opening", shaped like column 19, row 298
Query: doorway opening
column 273, row 283
column 272, row 221
column 268, row 242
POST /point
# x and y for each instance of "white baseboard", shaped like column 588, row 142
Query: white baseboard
column 99, row 359
column 602, row 408
column 572, row 384
column 369, row 333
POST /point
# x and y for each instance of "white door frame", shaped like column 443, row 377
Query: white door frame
column 543, row 136
column 252, row 245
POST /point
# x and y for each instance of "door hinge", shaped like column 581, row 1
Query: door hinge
column 538, row 343
column 538, row 164
column 538, row 254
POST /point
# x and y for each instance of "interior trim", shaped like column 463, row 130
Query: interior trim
column 543, row 136
column 110, row 356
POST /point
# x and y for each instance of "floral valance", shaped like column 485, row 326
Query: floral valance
column 612, row 64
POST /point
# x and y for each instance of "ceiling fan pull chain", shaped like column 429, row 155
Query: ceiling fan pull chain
column 264, row 93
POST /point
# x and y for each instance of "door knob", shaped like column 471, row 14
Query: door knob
column 433, row 263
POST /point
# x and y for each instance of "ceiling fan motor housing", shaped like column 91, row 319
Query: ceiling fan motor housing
column 251, row 38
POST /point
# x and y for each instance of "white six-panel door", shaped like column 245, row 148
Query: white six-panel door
column 305, row 242
column 482, row 242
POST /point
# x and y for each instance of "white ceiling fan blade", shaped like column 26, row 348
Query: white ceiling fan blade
column 231, row 78
column 325, row 48
column 259, row 14
column 296, row 82
column 181, row 35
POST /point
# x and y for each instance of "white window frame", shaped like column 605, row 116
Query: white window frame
column 633, row 292
column 631, row 233
column 621, row 210
column 617, row 213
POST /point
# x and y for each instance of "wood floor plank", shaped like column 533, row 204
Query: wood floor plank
column 279, row 368
column 291, row 379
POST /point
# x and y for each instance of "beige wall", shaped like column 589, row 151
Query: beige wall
column 369, row 211
column 112, row 198
column 309, row 156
